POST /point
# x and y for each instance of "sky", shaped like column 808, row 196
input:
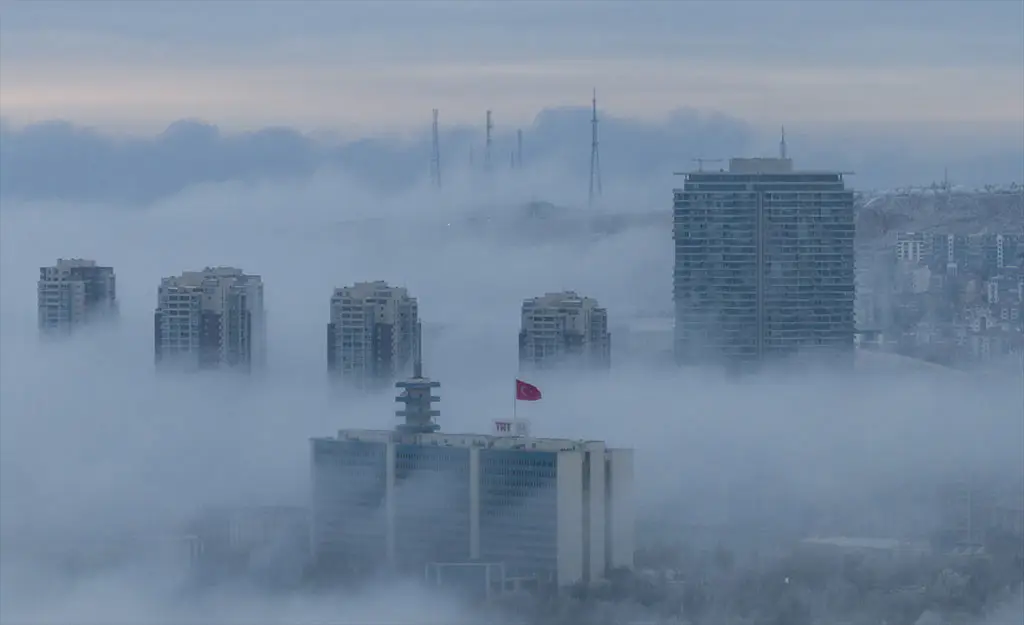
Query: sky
column 367, row 67
column 132, row 102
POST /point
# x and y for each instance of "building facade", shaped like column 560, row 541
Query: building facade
column 210, row 319
column 764, row 264
column 372, row 333
column 564, row 329
column 551, row 510
column 73, row 293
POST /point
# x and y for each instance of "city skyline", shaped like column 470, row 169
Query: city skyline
column 266, row 183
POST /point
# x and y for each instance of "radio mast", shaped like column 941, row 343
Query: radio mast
column 595, row 156
column 519, row 149
column 487, row 144
column 435, row 155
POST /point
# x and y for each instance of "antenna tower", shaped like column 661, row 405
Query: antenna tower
column 435, row 155
column 782, row 144
column 487, row 143
column 595, row 156
column 519, row 149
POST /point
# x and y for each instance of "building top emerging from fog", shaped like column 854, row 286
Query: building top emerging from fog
column 556, row 511
column 764, row 264
column 372, row 334
column 210, row 319
column 564, row 329
column 74, row 292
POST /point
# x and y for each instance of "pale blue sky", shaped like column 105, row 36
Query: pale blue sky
column 368, row 68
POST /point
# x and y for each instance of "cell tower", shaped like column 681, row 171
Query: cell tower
column 782, row 144
column 487, row 143
column 435, row 155
column 595, row 157
column 519, row 148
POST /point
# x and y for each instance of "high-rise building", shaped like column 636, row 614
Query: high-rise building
column 764, row 263
column 372, row 333
column 75, row 292
column 551, row 510
column 210, row 319
column 564, row 328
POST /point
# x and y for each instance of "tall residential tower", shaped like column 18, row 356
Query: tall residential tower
column 74, row 292
column 210, row 319
column 764, row 263
column 564, row 329
column 372, row 335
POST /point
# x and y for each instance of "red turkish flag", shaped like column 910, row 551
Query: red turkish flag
column 526, row 391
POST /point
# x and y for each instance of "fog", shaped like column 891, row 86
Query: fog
column 93, row 443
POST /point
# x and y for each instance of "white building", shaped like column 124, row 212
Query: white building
column 560, row 328
column 210, row 319
column 914, row 247
column 553, row 510
column 74, row 292
column 372, row 333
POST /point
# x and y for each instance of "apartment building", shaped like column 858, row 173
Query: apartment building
column 914, row 247
column 764, row 264
column 210, row 319
column 560, row 329
column 372, row 334
column 75, row 292
column 555, row 511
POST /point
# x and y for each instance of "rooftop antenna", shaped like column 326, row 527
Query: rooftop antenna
column 595, row 157
column 782, row 144
column 519, row 148
column 435, row 155
column 487, row 143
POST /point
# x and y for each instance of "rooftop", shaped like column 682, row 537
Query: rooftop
column 487, row 441
column 760, row 166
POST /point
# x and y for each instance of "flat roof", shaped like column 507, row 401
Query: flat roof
column 488, row 441
column 794, row 172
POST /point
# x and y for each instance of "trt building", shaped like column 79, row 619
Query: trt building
column 372, row 333
column 764, row 264
column 75, row 292
column 414, row 499
column 564, row 329
column 210, row 319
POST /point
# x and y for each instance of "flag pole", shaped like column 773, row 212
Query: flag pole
column 515, row 399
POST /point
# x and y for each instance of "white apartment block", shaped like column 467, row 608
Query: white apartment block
column 914, row 247
column 372, row 334
column 557, row 511
column 561, row 328
column 210, row 319
column 74, row 292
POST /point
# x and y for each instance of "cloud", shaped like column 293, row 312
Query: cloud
column 58, row 160
column 93, row 443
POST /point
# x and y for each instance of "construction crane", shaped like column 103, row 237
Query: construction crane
column 700, row 162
